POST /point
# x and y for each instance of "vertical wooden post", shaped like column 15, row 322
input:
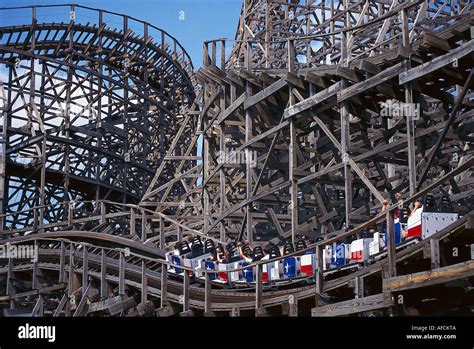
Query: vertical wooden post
column 143, row 226
column 435, row 258
column 102, row 213
column 10, row 282
column 164, row 286
column 85, row 267
column 207, row 294
column 259, row 288
column 132, row 223
column 319, row 276
column 185, row 291
column 71, row 270
column 205, row 55
column 103, row 275
column 213, row 53
column 222, row 186
column 410, row 118
column 391, row 250
column 292, row 156
column 35, row 268
column 293, row 306
column 121, row 274
column 62, row 262
column 235, row 312
column 162, row 233
column 70, row 214
column 222, row 54
column 359, row 287
column 144, row 282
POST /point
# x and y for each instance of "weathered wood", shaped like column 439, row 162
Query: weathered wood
column 429, row 278
column 436, row 63
column 369, row 83
column 265, row 93
column 166, row 311
column 145, row 308
column 121, row 306
column 313, row 100
column 435, row 254
column 354, row 306
column 258, row 288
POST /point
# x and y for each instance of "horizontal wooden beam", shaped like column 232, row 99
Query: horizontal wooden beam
column 429, row 278
column 313, row 100
column 354, row 306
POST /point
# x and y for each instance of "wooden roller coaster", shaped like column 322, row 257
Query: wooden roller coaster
column 321, row 121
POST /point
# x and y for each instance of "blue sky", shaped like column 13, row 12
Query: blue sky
column 203, row 20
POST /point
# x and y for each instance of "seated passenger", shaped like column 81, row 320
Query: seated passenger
column 266, row 252
column 416, row 206
column 245, row 255
column 177, row 246
column 219, row 255
column 227, row 257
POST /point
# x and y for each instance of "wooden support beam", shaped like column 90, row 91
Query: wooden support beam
column 437, row 63
column 430, row 277
column 235, row 312
column 292, row 306
column 61, row 305
column 258, row 288
column 164, row 286
column 122, row 306
column 265, row 93
column 369, row 83
column 82, row 303
column 62, row 262
column 435, row 254
column 144, row 283
column 319, row 277
column 121, row 288
column 391, row 247
column 313, row 100
column 85, row 266
column 103, row 275
column 355, row 306
column 186, row 293
column 166, row 311
column 207, row 294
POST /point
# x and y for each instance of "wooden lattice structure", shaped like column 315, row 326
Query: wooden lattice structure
column 307, row 99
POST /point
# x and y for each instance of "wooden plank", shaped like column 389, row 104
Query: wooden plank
column 265, row 93
column 122, row 306
column 165, row 311
column 437, row 63
column 354, row 306
column 313, row 100
column 371, row 82
column 40, row 291
column 429, row 278
column 434, row 254
column 231, row 108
